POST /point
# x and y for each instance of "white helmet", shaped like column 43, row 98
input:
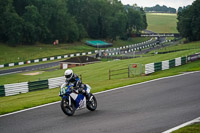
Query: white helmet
column 68, row 74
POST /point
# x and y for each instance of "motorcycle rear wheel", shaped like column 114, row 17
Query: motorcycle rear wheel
column 92, row 104
column 66, row 108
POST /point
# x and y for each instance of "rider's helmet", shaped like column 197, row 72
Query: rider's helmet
column 68, row 74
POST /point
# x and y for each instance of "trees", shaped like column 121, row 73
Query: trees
column 180, row 9
column 189, row 21
column 162, row 9
column 136, row 20
column 32, row 25
column 31, row 21
column 11, row 24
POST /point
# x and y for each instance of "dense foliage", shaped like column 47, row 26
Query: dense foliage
column 160, row 9
column 30, row 21
column 189, row 21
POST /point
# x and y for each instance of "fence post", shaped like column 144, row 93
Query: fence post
column 109, row 74
column 128, row 72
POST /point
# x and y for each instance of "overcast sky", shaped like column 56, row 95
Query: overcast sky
column 150, row 3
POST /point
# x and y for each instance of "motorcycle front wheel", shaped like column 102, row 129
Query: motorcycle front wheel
column 92, row 103
column 66, row 108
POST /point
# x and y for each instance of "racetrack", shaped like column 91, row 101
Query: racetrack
column 150, row 107
column 28, row 68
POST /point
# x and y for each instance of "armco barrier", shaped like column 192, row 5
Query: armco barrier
column 154, row 67
column 158, row 66
column 178, row 61
column 149, row 68
column 38, row 85
column 2, row 91
column 165, row 65
column 24, row 87
column 56, row 82
column 172, row 63
column 17, row 88
column 183, row 60
column 193, row 57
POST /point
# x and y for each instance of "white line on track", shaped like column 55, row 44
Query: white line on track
column 182, row 125
column 10, row 73
column 101, row 92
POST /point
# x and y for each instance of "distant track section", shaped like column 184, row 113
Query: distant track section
column 157, row 35
column 28, row 68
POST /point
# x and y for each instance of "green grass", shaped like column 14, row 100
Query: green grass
column 26, row 52
column 95, row 75
column 101, row 69
column 194, row 128
column 194, row 47
column 162, row 22
column 31, row 99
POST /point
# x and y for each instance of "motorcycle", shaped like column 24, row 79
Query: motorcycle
column 73, row 100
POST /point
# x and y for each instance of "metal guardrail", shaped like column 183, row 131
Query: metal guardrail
column 158, row 66
column 24, row 87
column 2, row 90
column 17, row 88
column 38, row 85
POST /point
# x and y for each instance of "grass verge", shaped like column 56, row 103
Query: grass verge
column 31, row 99
column 194, row 128
column 96, row 75
column 162, row 22
column 26, row 52
column 89, row 72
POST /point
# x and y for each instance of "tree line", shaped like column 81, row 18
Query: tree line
column 31, row 21
column 160, row 9
column 189, row 21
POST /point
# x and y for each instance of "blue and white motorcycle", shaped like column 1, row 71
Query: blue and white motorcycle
column 73, row 100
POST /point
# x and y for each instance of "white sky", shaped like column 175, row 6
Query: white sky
column 149, row 3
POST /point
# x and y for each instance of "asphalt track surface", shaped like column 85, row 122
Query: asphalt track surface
column 151, row 107
column 28, row 68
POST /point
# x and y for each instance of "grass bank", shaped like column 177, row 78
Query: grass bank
column 26, row 52
column 194, row 128
column 162, row 22
column 95, row 75
column 31, row 99
column 187, row 48
column 89, row 72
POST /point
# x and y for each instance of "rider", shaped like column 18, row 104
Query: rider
column 73, row 78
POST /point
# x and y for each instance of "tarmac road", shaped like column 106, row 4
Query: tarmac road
column 28, row 68
column 151, row 107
